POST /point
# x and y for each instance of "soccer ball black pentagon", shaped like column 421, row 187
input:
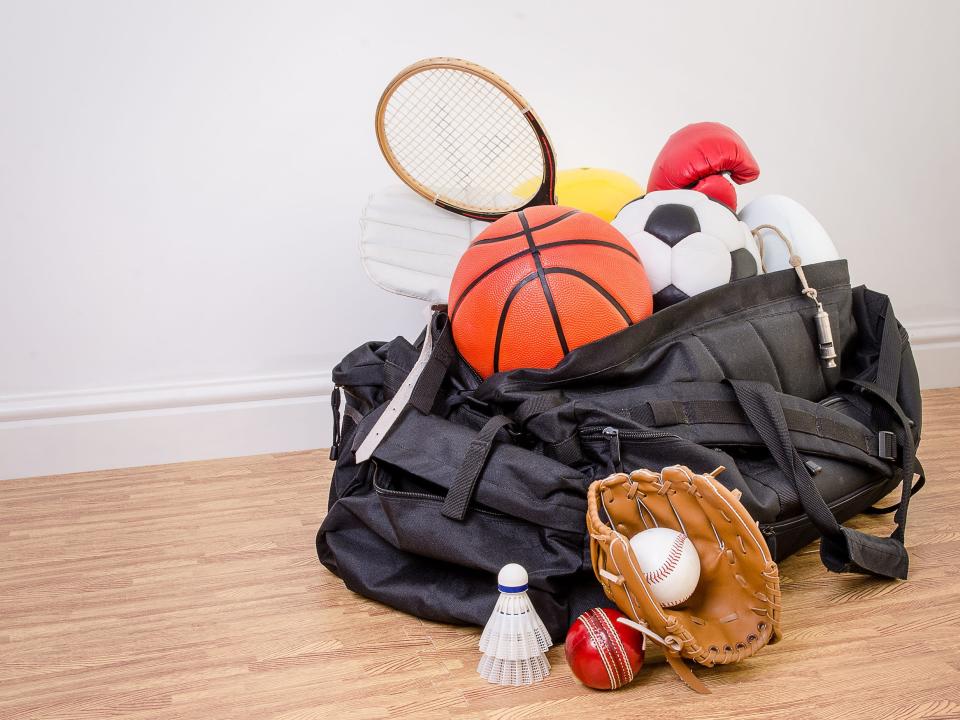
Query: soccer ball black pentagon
column 688, row 243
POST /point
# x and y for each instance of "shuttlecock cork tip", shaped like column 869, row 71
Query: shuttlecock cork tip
column 512, row 579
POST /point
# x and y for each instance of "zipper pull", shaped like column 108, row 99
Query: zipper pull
column 613, row 439
column 770, row 537
column 335, row 406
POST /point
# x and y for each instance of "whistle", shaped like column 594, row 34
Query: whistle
column 827, row 352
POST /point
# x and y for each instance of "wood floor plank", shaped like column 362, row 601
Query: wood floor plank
column 193, row 591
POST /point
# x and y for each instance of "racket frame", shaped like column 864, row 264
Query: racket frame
column 545, row 195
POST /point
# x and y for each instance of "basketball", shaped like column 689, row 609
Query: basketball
column 538, row 283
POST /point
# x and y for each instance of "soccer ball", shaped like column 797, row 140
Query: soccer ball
column 688, row 243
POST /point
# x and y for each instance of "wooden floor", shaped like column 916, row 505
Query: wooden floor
column 193, row 591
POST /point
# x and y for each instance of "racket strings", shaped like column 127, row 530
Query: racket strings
column 463, row 139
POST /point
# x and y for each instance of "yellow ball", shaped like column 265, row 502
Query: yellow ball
column 593, row 190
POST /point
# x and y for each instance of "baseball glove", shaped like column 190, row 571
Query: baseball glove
column 735, row 609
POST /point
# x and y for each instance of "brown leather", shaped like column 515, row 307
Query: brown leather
column 735, row 609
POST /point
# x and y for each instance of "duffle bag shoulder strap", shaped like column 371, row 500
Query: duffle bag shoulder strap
column 881, row 397
column 420, row 387
column 842, row 549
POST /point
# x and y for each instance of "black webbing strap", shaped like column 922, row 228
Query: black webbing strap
column 917, row 485
column 537, row 405
column 891, row 349
column 888, row 367
column 461, row 491
column 349, row 411
column 567, row 451
column 907, row 459
column 842, row 549
column 663, row 413
column 428, row 384
column 830, row 429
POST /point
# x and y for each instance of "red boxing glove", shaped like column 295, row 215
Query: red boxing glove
column 696, row 158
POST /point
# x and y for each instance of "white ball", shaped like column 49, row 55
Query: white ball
column 512, row 576
column 688, row 243
column 669, row 562
column 810, row 241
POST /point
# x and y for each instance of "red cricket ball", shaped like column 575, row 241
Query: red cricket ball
column 603, row 653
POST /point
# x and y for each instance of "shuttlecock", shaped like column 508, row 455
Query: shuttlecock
column 514, row 639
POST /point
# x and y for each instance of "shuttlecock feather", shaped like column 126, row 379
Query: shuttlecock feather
column 514, row 639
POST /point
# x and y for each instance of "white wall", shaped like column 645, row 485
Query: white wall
column 180, row 184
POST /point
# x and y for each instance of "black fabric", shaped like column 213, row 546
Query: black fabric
column 914, row 489
column 461, row 492
column 428, row 384
column 482, row 473
column 841, row 549
column 904, row 434
column 663, row 413
column 761, row 407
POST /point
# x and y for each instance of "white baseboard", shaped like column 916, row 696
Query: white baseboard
column 125, row 427
column 936, row 347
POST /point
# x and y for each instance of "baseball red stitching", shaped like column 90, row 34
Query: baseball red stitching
column 670, row 564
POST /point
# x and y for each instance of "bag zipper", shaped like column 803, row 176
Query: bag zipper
column 388, row 492
column 629, row 434
column 831, row 401
column 770, row 529
column 613, row 438
column 613, row 435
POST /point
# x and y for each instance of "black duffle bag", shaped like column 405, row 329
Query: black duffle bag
column 476, row 474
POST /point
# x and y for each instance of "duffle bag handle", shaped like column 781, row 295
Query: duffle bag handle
column 464, row 484
column 842, row 549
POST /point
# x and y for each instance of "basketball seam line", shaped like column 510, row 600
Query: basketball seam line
column 523, row 253
column 596, row 286
column 503, row 317
column 547, row 293
column 523, row 282
column 511, row 236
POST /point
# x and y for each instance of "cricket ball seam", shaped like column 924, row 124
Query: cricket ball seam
column 624, row 671
column 599, row 645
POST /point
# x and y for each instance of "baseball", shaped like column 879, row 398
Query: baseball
column 669, row 562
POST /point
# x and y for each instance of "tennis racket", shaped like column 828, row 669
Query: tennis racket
column 461, row 137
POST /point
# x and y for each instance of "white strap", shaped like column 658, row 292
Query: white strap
column 669, row 641
column 383, row 424
column 615, row 579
